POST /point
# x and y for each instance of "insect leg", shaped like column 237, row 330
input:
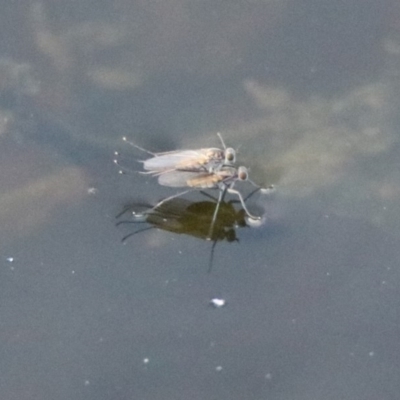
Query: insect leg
column 210, row 261
column 214, row 218
column 233, row 191
column 125, row 238
column 170, row 198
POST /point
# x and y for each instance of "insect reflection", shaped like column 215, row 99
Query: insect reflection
column 182, row 216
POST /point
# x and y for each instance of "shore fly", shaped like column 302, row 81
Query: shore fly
column 223, row 179
column 204, row 160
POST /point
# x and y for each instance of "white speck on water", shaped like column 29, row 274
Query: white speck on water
column 268, row 190
column 92, row 190
column 268, row 376
column 10, row 259
column 217, row 303
column 255, row 222
column 218, row 368
column 371, row 353
column 87, row 383
column 146, row 360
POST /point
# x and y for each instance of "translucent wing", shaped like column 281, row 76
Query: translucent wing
column 206, row 159
column 183, row 159
column 180, row 178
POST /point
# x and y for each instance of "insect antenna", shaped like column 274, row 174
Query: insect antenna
column 125, row 139
column 122, row 168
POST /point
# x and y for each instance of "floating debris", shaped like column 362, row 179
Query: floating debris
column 218, row 303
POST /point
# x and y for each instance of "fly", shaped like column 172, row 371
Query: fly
column 200, row 160
column 223, row 179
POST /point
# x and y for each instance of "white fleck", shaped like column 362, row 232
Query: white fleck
column 371, row 353
column 146, row 360
column 92, row 190
column 10, row 259
column 268, row 376
column 268, row 190
column 217, row 303
column 218, row 368
column 87, row 383
column 255, row 222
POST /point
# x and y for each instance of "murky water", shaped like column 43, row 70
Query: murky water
column 307, row 94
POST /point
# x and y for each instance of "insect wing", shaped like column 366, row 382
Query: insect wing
column 184, row 160
column 169, row 160
column 179, row 178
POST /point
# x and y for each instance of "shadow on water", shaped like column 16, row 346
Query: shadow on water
column 182, row 216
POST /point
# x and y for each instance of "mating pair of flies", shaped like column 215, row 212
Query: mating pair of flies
column 207, row 168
